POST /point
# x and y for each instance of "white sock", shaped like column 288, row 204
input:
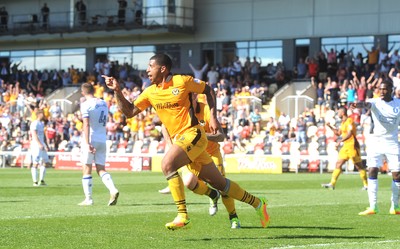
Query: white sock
column 373, row 193
column 107, row 180
column 395, row 193
column 87, row 186
column 34, row 174
column 42, row 172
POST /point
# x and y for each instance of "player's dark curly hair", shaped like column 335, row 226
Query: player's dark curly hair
column 162, row 60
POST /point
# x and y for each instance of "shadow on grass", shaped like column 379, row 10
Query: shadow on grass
column 12, row 201
column 160, row 204
column 300, row 236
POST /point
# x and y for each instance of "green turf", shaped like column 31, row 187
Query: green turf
column 302, row 214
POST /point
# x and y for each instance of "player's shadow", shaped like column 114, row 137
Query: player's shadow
column 161, row 204
column 299, row 236
column 304, row 227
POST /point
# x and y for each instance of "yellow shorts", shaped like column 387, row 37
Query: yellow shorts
column 194, row 143
column 352, row 153
column 195, row 168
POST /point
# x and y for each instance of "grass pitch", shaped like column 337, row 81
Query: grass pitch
column 303, row 215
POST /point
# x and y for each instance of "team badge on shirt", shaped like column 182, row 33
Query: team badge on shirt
column 175, row 91
column 196, row 80
column 189, row 148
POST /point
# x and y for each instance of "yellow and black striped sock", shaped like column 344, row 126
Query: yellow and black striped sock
column 363, row 176
column 335, row 176
column 232, row 189
column 201, row 188
column 229, row 204
column 176, row 186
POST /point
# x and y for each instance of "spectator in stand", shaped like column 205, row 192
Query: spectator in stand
column 75, row 139
column 394, row 58
column 322, row 66
column 55, row 110
column 198, row 72
column 122, row 4
column 45, row 11
column 3, row 19
column 81, row 9
column 213, row 77
column 350, row 87
column 255, row 122
column 301, row 130
column 271, row 127
column 237, row 66
column 254, row 68
column 51, row 133
column 312, row 67
column 373, row 56
column 283, row 121
column 301, row 69
column 145, row 80
column 320, row 90
column 334, row 94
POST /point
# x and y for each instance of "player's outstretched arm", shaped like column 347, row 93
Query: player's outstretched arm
column 127, row 108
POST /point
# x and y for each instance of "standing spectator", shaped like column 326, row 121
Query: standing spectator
column 3, row 19
column 94, row 114
column 81, row 9
column 301, row 69
column 312, row 67
column 213, row 77
column 320, row 90
column 334, row 94
column 137, row 9
column 5, row 71
column 199, row 71
column 55, row 110
column 122, row 4
column 394, row 58
column 38, row 149
column 373, row 56
column 254, row 68
column 323, row 67
column 301, row 130
column 45, row 16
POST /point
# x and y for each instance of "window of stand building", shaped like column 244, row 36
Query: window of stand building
column 73, row 56
column 347, row 44
column 47, row 59
column 266, row 51
column 26, row 57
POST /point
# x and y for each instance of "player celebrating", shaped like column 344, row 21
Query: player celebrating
column 383, row 142
column 94, row 113
column 198, row 186
column 349, row 150
column 170, row 97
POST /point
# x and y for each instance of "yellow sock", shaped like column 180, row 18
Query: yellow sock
column 335, row 176
column 232, row 189
column 363, row 176
column 176, row 186
column 229, row 204
column 201, row 188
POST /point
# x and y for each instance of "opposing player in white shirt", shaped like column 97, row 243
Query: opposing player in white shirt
column 94, row 114
column 38, row 149
column 383, row 144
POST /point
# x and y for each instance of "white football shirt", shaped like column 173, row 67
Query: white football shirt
column 97, row 111
column 38, row 126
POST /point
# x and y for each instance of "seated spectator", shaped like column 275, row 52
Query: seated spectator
column 255, row 122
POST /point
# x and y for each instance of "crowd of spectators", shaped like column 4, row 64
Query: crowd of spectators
column 24, row 91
